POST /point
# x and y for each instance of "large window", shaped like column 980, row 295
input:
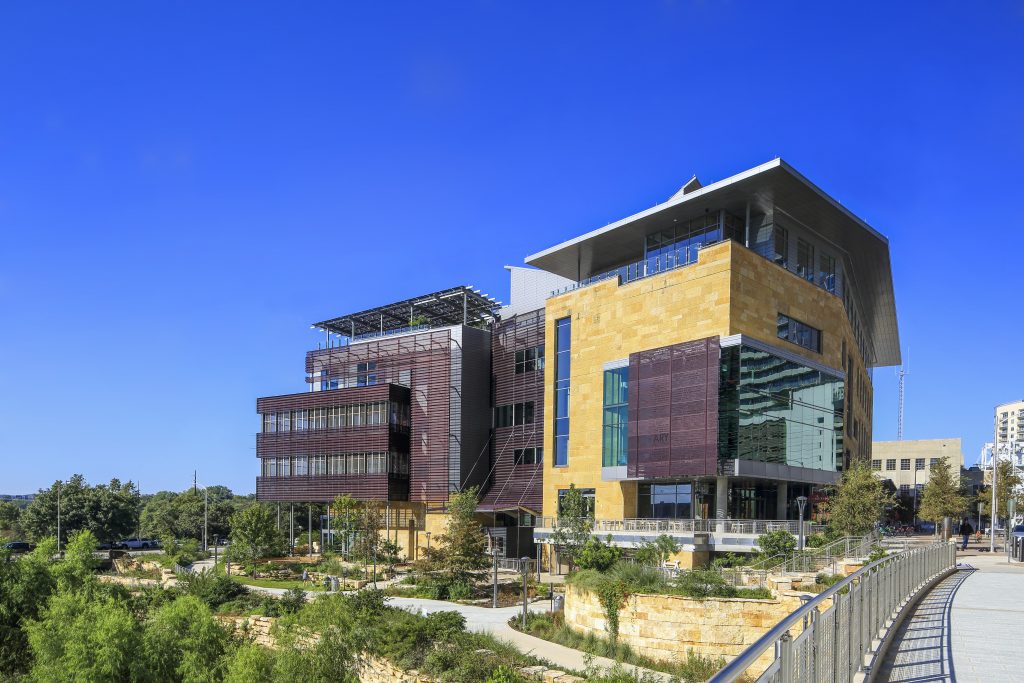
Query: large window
column 589, row 499
column 664, row 501
column 776, row 410
column 680, row 244
column 529, row 456
column 827, row 273
column 513, row 414
column 366, row 374
column 614, row 417
column 780, row 241
column 801, row 334
column 563, row 349
column 805, row 259
column 530, row 359
column 905, row 464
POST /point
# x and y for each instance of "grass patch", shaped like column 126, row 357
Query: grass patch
column 550, row 627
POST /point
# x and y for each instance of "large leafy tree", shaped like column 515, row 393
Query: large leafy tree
column 184, row 643
column 943, row 495
column 254, row 534
column 81, row 637
column 10, row 516
column 1008, row 484
column 858, row 502
column 109, row 511
column 25, row 587
column 575, row 525
column 168, row 515
column 461, row 550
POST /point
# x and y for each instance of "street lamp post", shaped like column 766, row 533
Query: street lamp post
column 801, row 502
column 993, row 510
column 526, row 575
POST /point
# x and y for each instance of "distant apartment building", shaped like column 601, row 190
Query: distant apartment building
column 705, row 359
column 907, row 464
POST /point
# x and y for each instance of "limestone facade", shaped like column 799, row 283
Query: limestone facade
column 668, row 627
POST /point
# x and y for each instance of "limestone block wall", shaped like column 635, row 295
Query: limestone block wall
column 667, row 627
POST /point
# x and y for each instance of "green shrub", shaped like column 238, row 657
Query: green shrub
column 212, row 588
column 460, row 590
column 779, row 542
column 877, row 553
column 293, row 600
column 598, row 555
column 702, row 584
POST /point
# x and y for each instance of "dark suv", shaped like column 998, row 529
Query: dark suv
column 19, row 547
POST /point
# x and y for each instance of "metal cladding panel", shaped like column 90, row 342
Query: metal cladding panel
column 422, row 362
column 322, row 489
column 510, row 485
column 347, row 439
column 673, row 410
column 334, row 397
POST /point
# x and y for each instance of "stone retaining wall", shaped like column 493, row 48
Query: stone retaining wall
column 667, row 627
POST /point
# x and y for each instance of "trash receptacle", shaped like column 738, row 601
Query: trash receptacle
column 557, row 602
column 335, row 584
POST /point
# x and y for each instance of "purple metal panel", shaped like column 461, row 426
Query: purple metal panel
column 673, row 410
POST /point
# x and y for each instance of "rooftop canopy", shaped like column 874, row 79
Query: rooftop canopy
column 774, row 186
column 458, row 305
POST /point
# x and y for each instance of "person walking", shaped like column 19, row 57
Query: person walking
column 966, row 530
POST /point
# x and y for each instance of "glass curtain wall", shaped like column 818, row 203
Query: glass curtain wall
column 679, row 245
column 563, row 348
column 772, row 409
column 614, row 417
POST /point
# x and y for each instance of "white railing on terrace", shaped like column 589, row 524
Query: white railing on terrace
column 833, row 642
column 688, row 526
column 388, row 333
column 682, row 256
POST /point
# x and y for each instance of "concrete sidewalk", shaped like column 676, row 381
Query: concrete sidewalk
column 966, row 630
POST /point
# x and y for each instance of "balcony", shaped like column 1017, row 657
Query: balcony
column 722, row 534
column 663, row 263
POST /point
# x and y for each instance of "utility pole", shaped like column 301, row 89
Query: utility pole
column 206, row 516
column 58, row 519
column 992, row 517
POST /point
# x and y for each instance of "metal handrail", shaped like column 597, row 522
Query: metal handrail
column 872, row 595
column 660, row 525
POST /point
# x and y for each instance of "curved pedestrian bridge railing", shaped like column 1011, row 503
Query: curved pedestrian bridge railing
column 831, row 637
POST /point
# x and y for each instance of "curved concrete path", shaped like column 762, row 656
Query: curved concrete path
column 967, row 629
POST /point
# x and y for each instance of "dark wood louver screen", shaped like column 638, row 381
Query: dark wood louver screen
column 673, row 410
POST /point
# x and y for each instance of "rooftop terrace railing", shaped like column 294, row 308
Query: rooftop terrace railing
column 388, row 333
column 833, row 642
column 683, row 256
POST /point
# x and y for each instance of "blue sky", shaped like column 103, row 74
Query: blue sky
column 184, row 187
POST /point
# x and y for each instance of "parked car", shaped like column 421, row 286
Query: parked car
column 1018, row 531
column 926, row 527
column 19, row 546
column 138, row 544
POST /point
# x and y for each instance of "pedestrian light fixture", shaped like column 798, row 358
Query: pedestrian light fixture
column 801, row 503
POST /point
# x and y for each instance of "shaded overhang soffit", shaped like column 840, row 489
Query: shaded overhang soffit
column 771, row 187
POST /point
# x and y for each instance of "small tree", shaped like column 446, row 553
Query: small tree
column 575, row 525
column 345, row 521
column 597, row 554
column 461, row 551
column 858, row 502
column 776, row 543
column 943, row 495
column 254, row 535
column 1008, row 483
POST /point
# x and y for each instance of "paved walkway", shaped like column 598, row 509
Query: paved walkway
column 966, row 630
